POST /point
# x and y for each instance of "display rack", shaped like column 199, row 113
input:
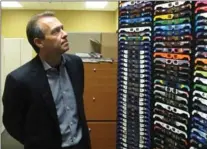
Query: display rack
column 162, row 75
column 134, row 76
column 198, row 133
column 172, row 37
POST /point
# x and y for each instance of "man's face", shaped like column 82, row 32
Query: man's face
column 55, row 41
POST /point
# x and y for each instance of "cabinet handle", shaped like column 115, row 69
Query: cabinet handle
column 94, row 69
column 94, row 98
column 89, row 129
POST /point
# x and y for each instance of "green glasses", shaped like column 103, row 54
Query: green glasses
column 174, row 21
column 200, row 87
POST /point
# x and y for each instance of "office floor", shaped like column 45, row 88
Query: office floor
column 7, row 142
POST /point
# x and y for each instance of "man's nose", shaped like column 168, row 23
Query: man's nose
column 64, row 34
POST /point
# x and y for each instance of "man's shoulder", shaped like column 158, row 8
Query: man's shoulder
column 22, row 72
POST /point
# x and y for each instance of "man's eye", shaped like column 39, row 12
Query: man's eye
column 57, row 30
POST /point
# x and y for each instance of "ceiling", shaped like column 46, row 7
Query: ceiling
column 54, row 5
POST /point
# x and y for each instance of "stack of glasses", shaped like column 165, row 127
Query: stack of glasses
column 134, row 76
column 198, row 136
column 171, row 73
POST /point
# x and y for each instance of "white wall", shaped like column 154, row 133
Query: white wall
column 14, row 53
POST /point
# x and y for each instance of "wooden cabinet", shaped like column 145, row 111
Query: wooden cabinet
column 100, row 101
column 103, row 135
column 100, row 93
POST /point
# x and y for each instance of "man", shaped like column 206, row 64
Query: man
column 43, row 99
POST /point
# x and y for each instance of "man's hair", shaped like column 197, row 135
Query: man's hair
column 34, row 31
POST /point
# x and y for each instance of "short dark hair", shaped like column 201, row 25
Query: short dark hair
column 34, row 31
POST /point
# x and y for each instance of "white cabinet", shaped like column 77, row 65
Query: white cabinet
column 14, row 53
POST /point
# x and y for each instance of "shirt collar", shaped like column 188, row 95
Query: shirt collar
column 48, row 67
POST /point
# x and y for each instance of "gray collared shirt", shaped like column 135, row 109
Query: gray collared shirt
column 64, row 98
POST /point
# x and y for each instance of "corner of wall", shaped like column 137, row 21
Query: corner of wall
column 116, row 19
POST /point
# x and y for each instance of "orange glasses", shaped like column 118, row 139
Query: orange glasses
column 172, row 56
column 202, row 60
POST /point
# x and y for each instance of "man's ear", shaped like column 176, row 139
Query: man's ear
column 38, row 42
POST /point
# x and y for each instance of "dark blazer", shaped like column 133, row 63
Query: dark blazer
column 29, row 110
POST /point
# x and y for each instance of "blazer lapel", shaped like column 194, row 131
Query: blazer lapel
column 40, row 82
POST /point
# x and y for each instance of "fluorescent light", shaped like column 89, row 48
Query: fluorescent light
column 96, row 4
column 11, row 4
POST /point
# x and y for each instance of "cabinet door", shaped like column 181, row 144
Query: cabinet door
column 102, row 73
column 103, row 135
column 100, row 93
column 100, row 104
